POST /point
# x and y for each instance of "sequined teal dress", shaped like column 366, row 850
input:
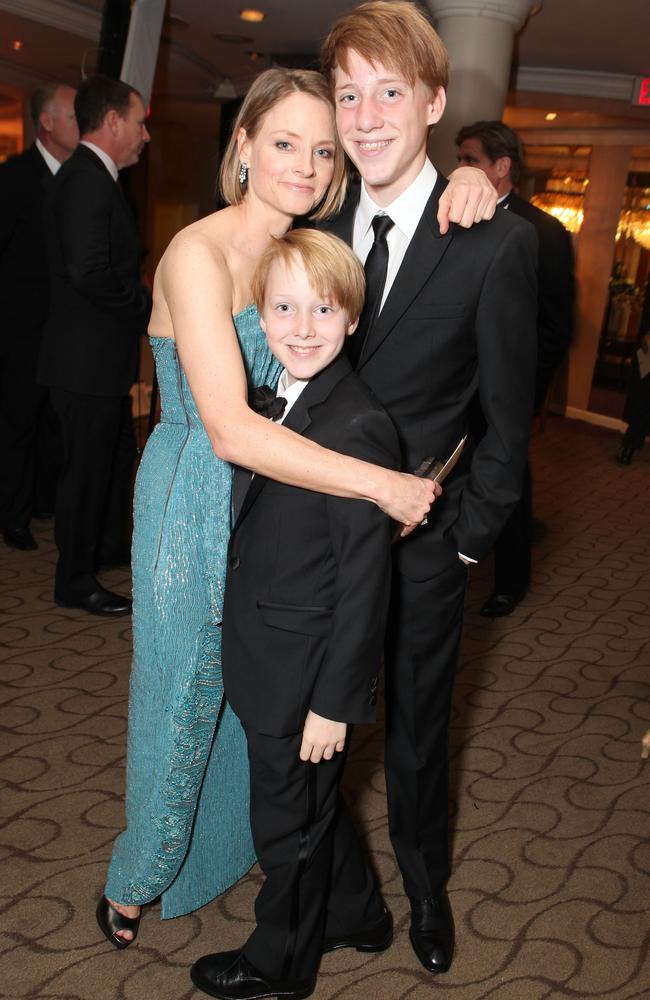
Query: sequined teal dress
column 187, row 837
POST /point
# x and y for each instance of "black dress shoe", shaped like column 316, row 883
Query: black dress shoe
column 500, row 605
column 99, row 602
column 432, row 932
column 625, row 456
column 19, row 538
column 378, row 937
column 230, row 976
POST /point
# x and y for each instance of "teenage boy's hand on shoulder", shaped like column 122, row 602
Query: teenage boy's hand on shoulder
column 321, row 738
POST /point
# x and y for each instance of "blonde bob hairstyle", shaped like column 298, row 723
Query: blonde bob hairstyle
column 332, row 269
column 267, row 90
column 394, row 34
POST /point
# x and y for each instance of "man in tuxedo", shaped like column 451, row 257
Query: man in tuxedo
column 450, row 316
column 98, row 309
column 496, row 149
column 28, row 431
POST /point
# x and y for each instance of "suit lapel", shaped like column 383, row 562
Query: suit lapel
column 424, row 253
column 299, row 418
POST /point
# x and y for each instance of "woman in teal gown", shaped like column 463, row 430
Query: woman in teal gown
column 187, row 836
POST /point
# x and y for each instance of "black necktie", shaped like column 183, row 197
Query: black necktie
column 376, row 267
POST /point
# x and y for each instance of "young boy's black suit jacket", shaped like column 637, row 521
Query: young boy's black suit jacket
column 308, row 575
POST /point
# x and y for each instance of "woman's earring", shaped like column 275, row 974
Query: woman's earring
column 243, row 172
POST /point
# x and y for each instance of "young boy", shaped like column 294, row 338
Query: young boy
column 304, row 616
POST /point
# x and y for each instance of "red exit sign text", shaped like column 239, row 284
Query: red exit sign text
column 642, row 91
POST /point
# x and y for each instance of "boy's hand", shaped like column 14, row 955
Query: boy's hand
column 321, row 738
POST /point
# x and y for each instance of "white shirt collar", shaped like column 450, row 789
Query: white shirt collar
column 51, row 161
column 290, row 390
column 406, row 211
column 110, row 164
column 503, row 197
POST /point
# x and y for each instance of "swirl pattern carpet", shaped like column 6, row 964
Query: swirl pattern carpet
column 550, row 797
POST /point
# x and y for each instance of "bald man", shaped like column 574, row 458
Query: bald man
column 27, row 481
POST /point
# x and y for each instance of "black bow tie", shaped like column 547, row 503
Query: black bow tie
column 264, row 401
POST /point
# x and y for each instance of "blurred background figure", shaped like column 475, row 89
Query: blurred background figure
column 637, row 405
column 29, row 440
column 99, row 307
column 496, row 149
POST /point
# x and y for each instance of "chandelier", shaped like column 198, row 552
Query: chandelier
column 564, row 199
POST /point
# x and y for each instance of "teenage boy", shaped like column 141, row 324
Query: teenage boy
column 306, row 599
column 449, row 316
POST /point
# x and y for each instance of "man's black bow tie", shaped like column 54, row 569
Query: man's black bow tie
column 263, row 400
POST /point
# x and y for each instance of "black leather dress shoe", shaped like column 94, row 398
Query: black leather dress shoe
column 432, row 932
column 99, row 602
column 230, row 976
column 19, row 538
column 500, row 605
column 625, row 456
column 378, row 937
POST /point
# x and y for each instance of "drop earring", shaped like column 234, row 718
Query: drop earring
column 243, row 172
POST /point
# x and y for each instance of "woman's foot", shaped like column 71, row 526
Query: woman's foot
column 118, row 923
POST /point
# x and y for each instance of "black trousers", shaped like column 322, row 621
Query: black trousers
column 637, row 413
column 512, row 551
column 424, row 627
column 93, row 498
column 30, row 446
column 317, row 879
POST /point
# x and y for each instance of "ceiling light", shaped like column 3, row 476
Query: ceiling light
column 17, row 45
column 551, row 116
column 250, row 14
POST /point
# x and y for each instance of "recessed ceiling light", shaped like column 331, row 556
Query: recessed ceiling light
column 250, row 14
column 17, row 45
column 551, row 116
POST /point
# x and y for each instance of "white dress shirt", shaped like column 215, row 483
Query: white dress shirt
column 406, row 212
column 290, row 388
column 52, row 162
column 109, row 163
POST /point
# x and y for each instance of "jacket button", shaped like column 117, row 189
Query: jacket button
column 234, row 562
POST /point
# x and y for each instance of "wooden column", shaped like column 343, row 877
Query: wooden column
column 608, row 169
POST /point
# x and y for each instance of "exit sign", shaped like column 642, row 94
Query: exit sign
column 641, row 91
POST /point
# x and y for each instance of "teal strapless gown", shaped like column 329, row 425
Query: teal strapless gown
column 188, row 835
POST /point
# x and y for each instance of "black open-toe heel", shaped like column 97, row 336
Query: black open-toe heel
column 111, row 921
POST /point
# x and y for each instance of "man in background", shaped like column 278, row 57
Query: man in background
column 29, row 441
column 496, row 149
column 98, row 309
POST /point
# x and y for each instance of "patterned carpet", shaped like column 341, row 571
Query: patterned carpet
column 550, row 805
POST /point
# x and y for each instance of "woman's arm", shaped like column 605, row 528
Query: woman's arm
column 198, row 291
column 468, row 198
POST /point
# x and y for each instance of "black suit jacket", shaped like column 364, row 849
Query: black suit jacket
column 308, row 576
column 556, row 290
column 24, row 282
column 458, row 320
column 98, row 304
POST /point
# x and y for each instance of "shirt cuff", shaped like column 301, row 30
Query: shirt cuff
column 466, row 559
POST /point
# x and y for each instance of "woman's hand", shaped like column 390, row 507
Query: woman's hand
column 407, row 499
column 468, row 198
